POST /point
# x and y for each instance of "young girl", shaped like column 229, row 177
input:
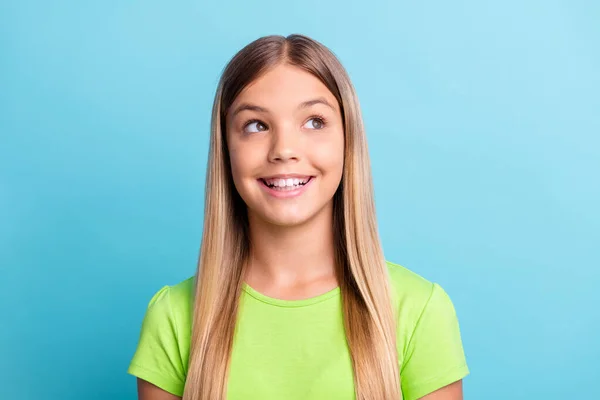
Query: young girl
column 293, row 298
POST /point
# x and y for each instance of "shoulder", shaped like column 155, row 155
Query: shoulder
column 169, row 312
column 181, row 294
column 409, row 289
column 429, row 344
column 176, row 300
column 162, row 354
column 417, row 301
column 173, row 296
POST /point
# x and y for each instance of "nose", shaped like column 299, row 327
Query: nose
column 285, row 145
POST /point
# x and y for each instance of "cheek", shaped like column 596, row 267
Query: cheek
column 330, row 156
column 243, row 160
column 239, row 168
column 234, row 161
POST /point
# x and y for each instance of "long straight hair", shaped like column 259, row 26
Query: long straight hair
column 369, row 318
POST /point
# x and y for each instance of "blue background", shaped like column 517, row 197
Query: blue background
column 483, row 126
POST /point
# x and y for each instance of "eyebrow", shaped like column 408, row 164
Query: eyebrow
column 303, row 105
column 318, row 100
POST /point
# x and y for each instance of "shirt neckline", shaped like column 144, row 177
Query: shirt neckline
column 290, row 303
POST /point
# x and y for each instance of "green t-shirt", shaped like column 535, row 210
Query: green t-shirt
column 296, row 349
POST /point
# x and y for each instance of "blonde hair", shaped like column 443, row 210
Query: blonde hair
column 369, row 319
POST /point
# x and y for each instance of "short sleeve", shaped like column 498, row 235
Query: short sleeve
column 434, row 357
column 157, row 358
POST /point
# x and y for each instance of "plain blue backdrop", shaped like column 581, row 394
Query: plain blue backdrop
column 483, row 126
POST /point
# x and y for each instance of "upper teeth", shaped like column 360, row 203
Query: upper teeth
column 286, row 182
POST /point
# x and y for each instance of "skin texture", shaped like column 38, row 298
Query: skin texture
column 271, row 130
column 292, row 253
column 454, row 391
column 288, row 139
column 148, row 391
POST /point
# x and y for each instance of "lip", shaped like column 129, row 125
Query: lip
column 287, row 176
column 288, row 193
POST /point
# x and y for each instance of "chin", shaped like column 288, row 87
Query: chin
column 289, row 215
column 286, row 220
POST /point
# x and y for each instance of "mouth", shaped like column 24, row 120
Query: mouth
column 286, row 184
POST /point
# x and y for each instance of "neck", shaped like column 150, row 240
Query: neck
column 292, row 255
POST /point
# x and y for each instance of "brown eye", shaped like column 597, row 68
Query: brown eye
column 315, row 123
column 255, row 126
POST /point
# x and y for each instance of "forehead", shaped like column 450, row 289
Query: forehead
column 284, row 87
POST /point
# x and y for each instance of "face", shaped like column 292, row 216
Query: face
column 286, row 145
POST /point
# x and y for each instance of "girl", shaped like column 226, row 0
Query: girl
column 293, row 298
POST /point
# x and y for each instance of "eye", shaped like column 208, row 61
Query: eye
column 254, row 127
column 315, row 123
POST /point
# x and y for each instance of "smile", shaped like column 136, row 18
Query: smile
column 287, row 183
column 286, row 186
